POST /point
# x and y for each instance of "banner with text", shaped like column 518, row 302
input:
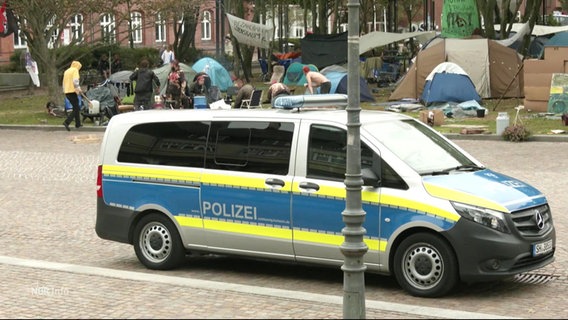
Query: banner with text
column 250, row 33
column 460, row 19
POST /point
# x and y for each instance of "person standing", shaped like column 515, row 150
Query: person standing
column 245, row 92
column 104, row 67
column 176, row 84
column 72, row 90
column 315, row 79
column 168, row 56
column 116, row 63
column 145, row 79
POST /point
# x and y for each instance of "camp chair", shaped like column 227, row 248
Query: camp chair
column 388, row 73
column 254, row 101
column 264, row 69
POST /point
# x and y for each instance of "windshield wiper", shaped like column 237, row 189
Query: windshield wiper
column 466, row 167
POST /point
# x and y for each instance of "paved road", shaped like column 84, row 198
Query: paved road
column 52, row 265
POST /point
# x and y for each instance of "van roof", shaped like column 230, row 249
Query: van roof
column 149, row 116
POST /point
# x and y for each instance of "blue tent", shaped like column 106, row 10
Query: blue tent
column 220, row 77
column 560, row 39
column 448, row 82
column 338, row 77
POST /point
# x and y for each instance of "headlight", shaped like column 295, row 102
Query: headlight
column 487, row 217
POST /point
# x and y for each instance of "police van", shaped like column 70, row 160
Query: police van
column 270, row 184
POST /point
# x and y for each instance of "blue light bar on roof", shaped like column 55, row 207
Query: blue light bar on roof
column 306, row 101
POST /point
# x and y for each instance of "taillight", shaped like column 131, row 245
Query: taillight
column 100, row 181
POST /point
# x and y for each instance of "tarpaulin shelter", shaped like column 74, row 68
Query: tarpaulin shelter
column 448, row 82
column 338, row 77
column 323, row 50
column 377, row 39
column 220, row 77
column 493, row 68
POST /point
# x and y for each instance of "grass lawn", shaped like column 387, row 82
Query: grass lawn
column 28, row 108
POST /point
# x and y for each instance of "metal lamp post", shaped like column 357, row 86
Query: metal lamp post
column 353, row 248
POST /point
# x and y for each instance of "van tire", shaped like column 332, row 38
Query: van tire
column 425, row 266
column 158, row 243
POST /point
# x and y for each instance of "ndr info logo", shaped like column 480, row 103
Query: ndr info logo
column 49, row 291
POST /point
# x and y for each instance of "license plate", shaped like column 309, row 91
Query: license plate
column 541, row 248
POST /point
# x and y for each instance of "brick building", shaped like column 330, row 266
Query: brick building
column 150, row 30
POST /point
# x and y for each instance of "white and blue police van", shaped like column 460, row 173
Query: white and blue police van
column 270, row 184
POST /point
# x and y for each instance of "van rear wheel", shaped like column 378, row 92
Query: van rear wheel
column 425, row 266
column 158, row 243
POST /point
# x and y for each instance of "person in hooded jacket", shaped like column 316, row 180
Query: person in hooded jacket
column 145, row 79
column 72, row 90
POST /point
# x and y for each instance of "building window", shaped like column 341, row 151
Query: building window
column 180, row 25
column 206, row 26
column 19, row 40
column 136, row 18
column 108, row 28
column 298, row 32
column 54, row 33
column 160, row 28
column 76, row 25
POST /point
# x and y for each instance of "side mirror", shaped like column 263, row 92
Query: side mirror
column 370, row 178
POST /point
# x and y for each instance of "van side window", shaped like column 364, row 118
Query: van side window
column 166, row 143
column 327, row 157
column 249, row 146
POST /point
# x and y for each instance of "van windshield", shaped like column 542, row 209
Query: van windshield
column 423, row 150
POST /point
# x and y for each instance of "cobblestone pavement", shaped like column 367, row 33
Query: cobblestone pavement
column 52, row 264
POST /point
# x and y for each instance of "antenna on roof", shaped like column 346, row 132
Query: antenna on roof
column 306, row 101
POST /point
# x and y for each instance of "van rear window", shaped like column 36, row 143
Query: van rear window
column 168, row 143
column 248, row 146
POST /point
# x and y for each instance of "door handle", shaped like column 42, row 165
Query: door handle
column 310, row 185
column 275, row 182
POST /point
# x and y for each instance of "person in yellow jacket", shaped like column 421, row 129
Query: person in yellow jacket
column 72, row 90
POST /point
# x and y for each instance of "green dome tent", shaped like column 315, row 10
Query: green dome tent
column 295, row 75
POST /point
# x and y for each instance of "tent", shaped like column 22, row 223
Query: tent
column 295, row 75
column 493, row 68
column 448, row 82
column 220, row 77
column 163, row 71
column 338, row 77
column 560, row 39
column 120, row 76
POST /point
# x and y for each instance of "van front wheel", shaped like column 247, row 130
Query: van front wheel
column 158, row 244
column 425, row 266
